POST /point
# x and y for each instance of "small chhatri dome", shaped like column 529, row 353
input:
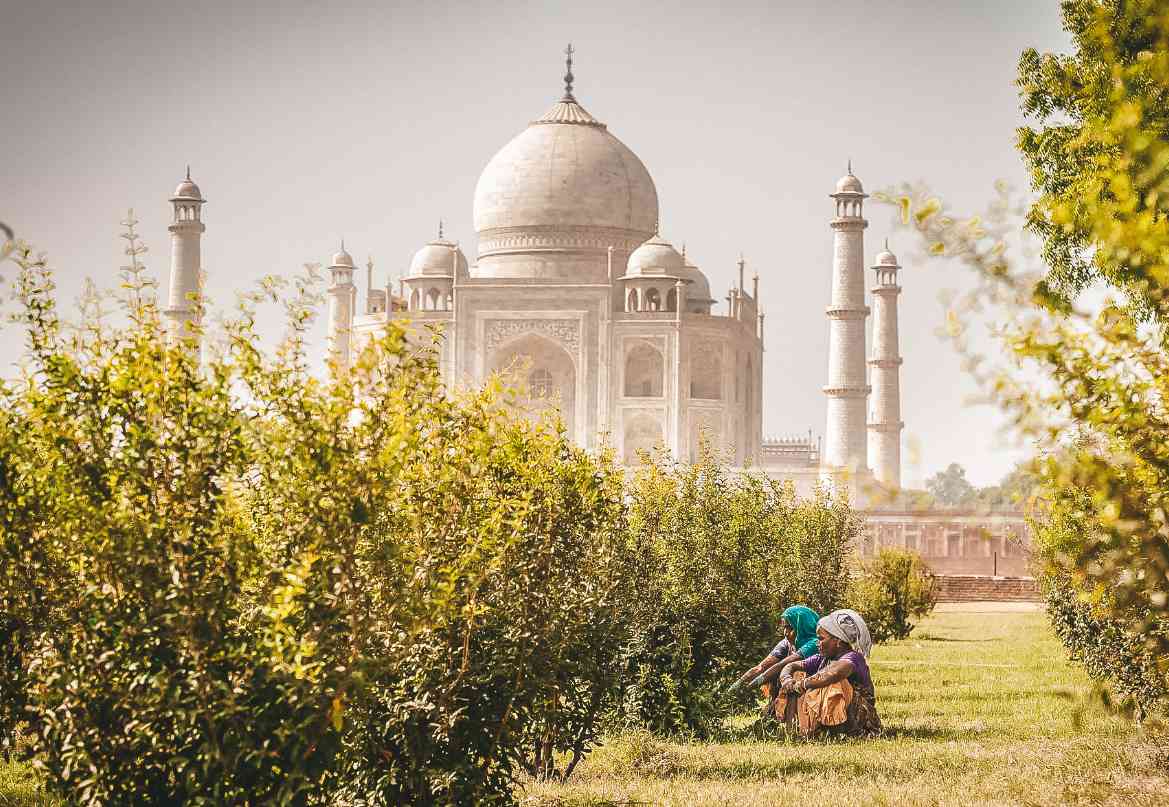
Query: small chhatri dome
column 342, row 258
column 849, row 184
column 656, row 256
column 698, row 290
column 187, row 190
column 438, row 258
column 887, row 258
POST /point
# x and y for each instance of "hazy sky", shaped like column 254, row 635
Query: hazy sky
column 305, row 122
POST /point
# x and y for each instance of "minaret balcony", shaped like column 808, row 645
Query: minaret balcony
column 849, row 223
column 847, row 313
column 848, row 392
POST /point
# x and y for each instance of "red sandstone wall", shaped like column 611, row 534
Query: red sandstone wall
column 971, row 588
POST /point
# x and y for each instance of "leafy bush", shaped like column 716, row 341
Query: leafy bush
column 1120, row 652
column 891, row 589
column 292, row 591
column 152, row 691
column 719, row 555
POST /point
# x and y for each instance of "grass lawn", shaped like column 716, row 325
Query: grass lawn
column 18, row 787
column 979, row 708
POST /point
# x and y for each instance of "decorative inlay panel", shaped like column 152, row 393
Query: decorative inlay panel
column 566, row 332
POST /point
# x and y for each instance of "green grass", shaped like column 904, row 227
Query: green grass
column 979, row 708
column 19, row 787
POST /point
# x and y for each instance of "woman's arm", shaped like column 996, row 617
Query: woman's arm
column 775, row 670
column 758, row 668
column 829, row 674
column 786, row 682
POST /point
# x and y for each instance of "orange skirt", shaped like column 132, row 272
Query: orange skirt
column 826, row 707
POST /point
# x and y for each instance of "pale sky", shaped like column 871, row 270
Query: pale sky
column 305, row 122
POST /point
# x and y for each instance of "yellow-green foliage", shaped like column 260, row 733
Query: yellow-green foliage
column 1099, row 159
column 234, row 582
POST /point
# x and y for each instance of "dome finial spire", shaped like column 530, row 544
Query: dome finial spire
column 850, row 166
column 188, row 172
column 440, row 229
column 886, row 243
column 568, row 77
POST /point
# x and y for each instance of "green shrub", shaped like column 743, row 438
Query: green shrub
column 153, row 690
column 1117, row 650
column 890, row 590
column 293, row 591
column 720, row 555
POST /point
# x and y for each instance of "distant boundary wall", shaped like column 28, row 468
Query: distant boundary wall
column 994, row 543
column 976, row 588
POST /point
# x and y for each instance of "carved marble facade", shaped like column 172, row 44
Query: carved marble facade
column 578, row 300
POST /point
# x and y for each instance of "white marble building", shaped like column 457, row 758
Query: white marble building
column 576, row 292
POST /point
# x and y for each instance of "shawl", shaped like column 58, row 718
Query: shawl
column 848, row 626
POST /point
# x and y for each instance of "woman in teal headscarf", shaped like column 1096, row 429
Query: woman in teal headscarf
column 798, row 643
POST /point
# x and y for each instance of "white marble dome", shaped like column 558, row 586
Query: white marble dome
column 656, row 256
column 435, row 260
column 564, row 182
column 886, row 258
column 342, row 258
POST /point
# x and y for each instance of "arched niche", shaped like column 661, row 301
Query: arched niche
column 706, row 372
column 653, row 300
column 642, row 435
column 544, row 371
column 645, row 370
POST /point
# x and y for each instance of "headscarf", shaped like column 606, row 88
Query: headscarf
column 803, row 621
column 848, row 626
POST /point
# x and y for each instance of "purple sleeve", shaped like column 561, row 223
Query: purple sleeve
column 860, row 667
column 812, row 664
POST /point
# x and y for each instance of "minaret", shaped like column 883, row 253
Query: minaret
column 186, row 261
column 845, row 440
column 342, row 295
column 885, row 427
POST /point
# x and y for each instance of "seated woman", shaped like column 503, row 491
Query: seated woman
column 798, row 624
column 832, row 692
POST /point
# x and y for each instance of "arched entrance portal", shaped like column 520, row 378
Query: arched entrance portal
column 544, row 371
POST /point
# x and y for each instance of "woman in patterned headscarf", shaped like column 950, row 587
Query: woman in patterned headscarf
column 832, row 691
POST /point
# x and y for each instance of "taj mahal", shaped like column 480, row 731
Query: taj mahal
column 574, row 287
